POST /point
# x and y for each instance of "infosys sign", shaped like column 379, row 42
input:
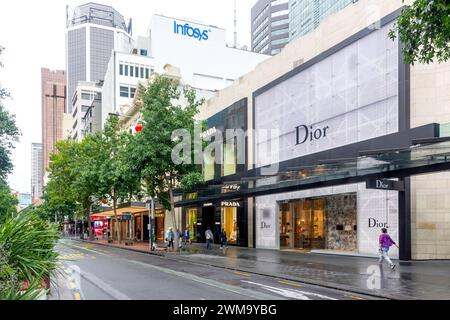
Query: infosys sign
column 188, row 31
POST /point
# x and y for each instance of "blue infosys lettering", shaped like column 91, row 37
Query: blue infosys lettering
column 187, row 30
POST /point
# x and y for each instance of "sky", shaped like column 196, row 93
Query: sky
column 33, row 33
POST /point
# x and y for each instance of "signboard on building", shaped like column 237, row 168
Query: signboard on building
column 383, row 184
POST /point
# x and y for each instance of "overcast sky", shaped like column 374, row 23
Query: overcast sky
column 33, row 33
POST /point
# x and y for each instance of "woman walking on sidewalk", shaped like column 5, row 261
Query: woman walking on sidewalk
column 386, row 242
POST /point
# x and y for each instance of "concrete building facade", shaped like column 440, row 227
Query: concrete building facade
column 93, row 32
column 87, row 98
column 269, row 26
column 36, row 171
column 349, row 80
column 53, row 84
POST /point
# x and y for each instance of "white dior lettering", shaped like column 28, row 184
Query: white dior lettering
column 382, row 185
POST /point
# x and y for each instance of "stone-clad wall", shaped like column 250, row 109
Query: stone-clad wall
column 341, row 210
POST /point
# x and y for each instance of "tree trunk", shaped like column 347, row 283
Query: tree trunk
column 174, row 221
column 116, row 219
column 91, row 234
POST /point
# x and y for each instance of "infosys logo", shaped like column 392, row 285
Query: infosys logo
column 187, row 30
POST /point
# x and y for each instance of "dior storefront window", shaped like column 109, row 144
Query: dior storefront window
column 319, row 223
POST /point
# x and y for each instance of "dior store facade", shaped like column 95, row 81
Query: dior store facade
column 350, row 98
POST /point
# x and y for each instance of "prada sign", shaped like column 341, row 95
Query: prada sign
column 383, row 184
column 305, row 133
column 225, row 204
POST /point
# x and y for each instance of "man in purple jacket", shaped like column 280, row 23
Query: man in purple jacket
column 386, row 242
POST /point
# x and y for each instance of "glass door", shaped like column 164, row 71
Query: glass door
column 285, row 226
column 302, row 217
column 318, row 224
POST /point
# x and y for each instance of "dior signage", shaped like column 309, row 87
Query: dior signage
column 265, row 225
column 383, row 184
column 375, row 223
column 306, row 133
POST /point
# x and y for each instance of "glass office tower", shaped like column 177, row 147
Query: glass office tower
column 306, row 15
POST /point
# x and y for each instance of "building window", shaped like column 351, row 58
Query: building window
column 229, row 158
column 136, row 72
column 121, row 69
column 208, row 167
column 142, row 72
column 132, row 92
column 126, row 70
column 144, row 52
column 86, row 96
column 124, row 92
column 147, row 73
column 131, row 71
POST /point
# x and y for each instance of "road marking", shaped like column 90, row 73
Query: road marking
column 102, row 285
column 212, row 283
column 291, row 293
column 91, row 250
column 291, row 284
column 242, row 274
column 355, row 297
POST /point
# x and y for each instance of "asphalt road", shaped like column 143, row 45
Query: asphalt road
column 95, row 272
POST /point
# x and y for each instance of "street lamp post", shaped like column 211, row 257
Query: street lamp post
column 151, row 208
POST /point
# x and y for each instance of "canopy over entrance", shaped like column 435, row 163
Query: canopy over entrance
column 425, row 156
column 127, row 208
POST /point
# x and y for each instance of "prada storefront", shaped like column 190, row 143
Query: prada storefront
column 229, row 215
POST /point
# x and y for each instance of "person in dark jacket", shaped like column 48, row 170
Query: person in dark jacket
column 209, row 238
column 223, row 239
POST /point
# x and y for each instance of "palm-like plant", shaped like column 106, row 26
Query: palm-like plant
column 28, row 243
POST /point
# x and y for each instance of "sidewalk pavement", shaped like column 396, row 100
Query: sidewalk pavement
column 427, row 280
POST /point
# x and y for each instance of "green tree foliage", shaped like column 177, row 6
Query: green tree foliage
column 8, row 202
column 424, row 29
column 163, row 114
column 117, row 181
column 74, row 177
column 9, row 134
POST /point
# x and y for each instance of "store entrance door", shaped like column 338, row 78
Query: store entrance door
column 208, row 220
column 302, row 224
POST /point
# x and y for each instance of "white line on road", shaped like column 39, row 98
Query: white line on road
column 212, row 283
column 290, row 293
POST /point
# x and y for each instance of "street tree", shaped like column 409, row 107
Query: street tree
column 8, row 202
column 424, row 30
column 117, row 181
column 73, row 170
column 167, row 108
column 9, row 133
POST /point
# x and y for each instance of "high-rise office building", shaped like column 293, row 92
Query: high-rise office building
column 36, row 171
column 270, row 26
column 93, row 32
column 306, row 15
column 53, row 86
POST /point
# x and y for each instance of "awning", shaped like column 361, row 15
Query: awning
column 120, row 212
column 421, row 158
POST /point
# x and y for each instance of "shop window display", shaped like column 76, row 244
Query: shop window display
column 229, row 224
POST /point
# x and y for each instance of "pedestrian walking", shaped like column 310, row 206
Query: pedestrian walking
column 386, row 242
column 223, row 239
column 170, row 236
column 209, row 238
column 187, row 236
column 180, row 238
